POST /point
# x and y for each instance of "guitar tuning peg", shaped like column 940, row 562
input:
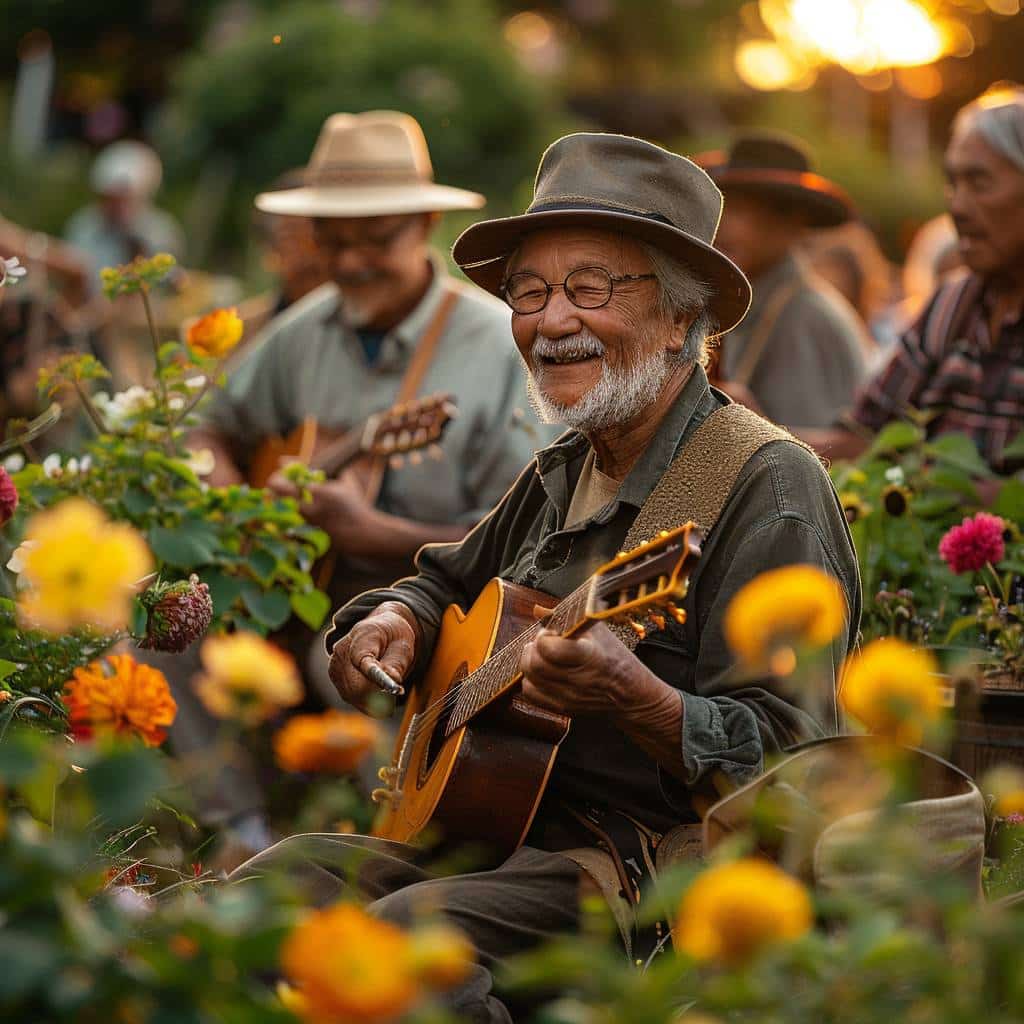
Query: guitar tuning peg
column 657, row 620
column 676, row 612
column 434, row 452
column 396, row 461
column 637, row 627
column 404, row 440
column 415, row 458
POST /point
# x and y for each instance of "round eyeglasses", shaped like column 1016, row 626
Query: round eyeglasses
column 587, row 288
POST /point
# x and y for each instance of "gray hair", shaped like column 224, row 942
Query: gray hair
column 683, row 291
column 998, row 117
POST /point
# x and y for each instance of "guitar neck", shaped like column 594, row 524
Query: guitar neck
column 501, row 671
column 333, row 458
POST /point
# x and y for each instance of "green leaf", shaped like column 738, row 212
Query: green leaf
column 960, row 451
column 137, row 501
column 123, row 782
column 896, row 437
column 959, row 625
column 262, row 563
column 7, row 668
column 1015, row 449
column 1009, row 501
column 185, row 546
column 138, row 619
column 224, row 589
column 271, row 608
column 30, row 961
column 311, row 607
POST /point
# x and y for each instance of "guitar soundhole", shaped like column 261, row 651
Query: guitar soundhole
column 437, row 735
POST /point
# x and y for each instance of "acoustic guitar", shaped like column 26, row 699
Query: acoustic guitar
column 472, row 758
column 403, row 428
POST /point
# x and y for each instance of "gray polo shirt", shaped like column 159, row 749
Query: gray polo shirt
column 308, row 363
column 813, row 361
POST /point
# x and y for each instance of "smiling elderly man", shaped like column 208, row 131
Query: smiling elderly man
column 614, row 286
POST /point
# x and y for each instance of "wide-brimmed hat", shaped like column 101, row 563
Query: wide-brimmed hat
column 369, row 165
column 619, row 184
column 778, row 168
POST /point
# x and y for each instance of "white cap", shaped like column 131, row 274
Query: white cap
column 127, row 166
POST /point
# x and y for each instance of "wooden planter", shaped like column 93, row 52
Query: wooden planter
column 989, row 724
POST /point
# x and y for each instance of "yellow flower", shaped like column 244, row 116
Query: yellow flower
column 216, row 334
column 441, row 956
column 118, row 695
column 1006, row 785
column 80, row 569
column 335, row 741
column 349, row 966
column 854, row 506
column 896, row 499
column 246, row 678
column 733, row 911
column 797, row 605
column 893, row 690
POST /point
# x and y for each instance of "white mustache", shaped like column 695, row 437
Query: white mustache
column 581, row 345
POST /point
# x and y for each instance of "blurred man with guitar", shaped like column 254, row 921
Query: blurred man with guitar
column 391, row 326
column 572, row 749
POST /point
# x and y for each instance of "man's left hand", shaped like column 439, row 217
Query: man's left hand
column 590, row 673
column 339, row 507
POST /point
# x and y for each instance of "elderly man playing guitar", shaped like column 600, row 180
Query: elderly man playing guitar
column 615, row 286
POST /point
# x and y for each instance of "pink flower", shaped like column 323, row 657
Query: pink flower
column 967, row 547
column 8, row 497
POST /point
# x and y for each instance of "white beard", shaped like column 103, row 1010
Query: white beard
column 620, row 395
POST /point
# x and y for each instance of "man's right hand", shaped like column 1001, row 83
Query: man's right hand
column 387, row 638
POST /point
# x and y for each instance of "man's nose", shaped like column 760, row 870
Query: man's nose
column 560, row 317
column 349, row 261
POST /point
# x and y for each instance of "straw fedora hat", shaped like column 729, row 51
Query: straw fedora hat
column 369, row 165
column 619, row 184
column 778, row 168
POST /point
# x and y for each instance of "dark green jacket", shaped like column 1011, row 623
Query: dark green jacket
column 782, row 510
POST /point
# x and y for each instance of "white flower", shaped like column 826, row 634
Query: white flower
column 51, row 465
column 14, row 463
column 195, row 383
column 201, row 462
column 175, row 403
column 85, row 464
column 125, row 405
column 11, row 271
column 16, row 563
column 71, row 466
column 895, row 475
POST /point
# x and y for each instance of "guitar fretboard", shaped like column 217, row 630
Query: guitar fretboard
column 501, row 670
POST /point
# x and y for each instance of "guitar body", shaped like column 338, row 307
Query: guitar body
column 299, row 446
column 485, row 781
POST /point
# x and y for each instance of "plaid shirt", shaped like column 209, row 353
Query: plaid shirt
column 948, row 364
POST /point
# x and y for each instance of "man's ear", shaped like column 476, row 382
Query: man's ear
column 680, row 325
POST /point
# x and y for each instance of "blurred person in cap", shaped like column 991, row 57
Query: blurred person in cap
column 615, row 284
column 962, row 361
column 123, row 223
column 340, row 354
column 799, row 356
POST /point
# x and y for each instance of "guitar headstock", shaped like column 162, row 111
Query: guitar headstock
column 409, row 426
column 647, row 582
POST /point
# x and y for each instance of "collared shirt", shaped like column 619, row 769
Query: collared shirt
column 309, row 363
column 782, row 510
column 813, row 359
column 949, row 364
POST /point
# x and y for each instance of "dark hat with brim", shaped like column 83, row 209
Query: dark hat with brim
column 618, row 184
column 777, row 169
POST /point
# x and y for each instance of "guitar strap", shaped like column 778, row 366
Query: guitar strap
column 420, row 362
column 697, row 484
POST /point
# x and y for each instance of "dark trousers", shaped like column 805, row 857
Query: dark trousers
column 532, row 896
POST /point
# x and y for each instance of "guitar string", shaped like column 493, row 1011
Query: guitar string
column 494, row 673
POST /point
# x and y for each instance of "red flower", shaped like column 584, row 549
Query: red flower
column 967, row 547
column 8, row 497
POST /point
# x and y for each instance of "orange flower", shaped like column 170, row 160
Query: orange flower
column 116, row 694
column 216, row 334
column 349, row 966
column 335, row 741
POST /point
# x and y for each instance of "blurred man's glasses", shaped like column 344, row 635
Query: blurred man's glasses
column 372, row 241
column 587, row 288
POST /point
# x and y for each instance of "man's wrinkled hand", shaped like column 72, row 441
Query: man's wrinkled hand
column 591, row 673
column 386, row 638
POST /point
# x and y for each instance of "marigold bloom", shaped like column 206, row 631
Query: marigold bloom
column 893, row 690
column 216, row 334
column 79, row 568
column 118, row 695
column 246, row 678
column 733, row 911
column 1005, row 784
column 8, row 497
column 797, row 605
column 349, row 966
column 967, row 547
column 335, row 741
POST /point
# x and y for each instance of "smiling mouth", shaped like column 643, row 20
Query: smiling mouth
column 567, row 359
